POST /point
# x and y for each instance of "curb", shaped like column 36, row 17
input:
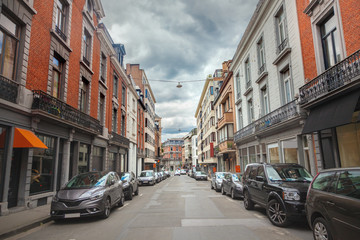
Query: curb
column 25, row 228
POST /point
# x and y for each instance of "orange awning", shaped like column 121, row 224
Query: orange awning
column 26, row 139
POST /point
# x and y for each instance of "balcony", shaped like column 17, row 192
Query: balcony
column 225, row 146
column 270, row 120
column 282, row 46
column 60, row 33
column 337, row 77
column 226, row 118
column 59, row 109
column 120, row 140
column 8, row 89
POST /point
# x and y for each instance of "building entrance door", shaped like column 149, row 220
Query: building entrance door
column 14, row 177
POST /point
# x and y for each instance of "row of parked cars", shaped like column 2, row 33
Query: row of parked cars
column 330, row 201
column 96, row 193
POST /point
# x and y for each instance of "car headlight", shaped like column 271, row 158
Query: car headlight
column 55, row 198
column 96, row 196
column 292, row 196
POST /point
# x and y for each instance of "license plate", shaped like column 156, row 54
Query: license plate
column 145, row 181
column 72, row 215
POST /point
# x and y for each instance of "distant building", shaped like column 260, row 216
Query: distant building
column 172, row 155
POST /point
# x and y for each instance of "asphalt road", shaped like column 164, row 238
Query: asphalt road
column 178, row 208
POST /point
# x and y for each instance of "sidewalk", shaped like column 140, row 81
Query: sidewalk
column 15, row 223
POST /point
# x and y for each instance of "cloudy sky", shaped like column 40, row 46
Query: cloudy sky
column 179, row 41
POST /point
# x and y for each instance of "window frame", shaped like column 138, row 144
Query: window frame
column 84, row 95
column 87, row 39
column 60, row 70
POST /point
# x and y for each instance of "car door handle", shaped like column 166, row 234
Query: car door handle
column 330, row 203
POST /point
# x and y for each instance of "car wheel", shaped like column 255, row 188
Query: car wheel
column 321, row 230
column 130, row 196
column 122, row 200
column 107, row 208
column 248, row 204
column 137, row 191
column 211, row 185
column 232, row 194
column 276, row 213
column 222, row 190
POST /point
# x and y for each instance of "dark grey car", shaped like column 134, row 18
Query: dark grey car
column 88, row 194
column 130, row 184
column 232, row 185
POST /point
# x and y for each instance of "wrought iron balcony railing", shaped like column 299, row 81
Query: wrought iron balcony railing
column 282, row 46
column 261, row 69
column 281, row 114
column 60, row 33
column 335, row 77
column 120, row 139
column 8, row 89
column 49, row 104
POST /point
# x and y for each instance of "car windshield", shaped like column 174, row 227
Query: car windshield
column 87, row 180
column 288, row 173
column 125, row 176
column 146, row 174
column 220, row 175
column 201, row 173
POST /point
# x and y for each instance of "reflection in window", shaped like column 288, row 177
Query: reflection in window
column 42, row 169
column 84, row 154
column 348, row 137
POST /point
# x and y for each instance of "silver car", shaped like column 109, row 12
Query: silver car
column 88, row 194
column 217, row 180
column 200, row 175
column 147, row 177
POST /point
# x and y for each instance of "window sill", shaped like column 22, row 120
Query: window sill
column 59, row 39
column 261, row 77
column 282, row 55
column 87, row 67
column 103, row 84
column 248, row 91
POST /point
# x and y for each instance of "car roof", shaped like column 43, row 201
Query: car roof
column 339, row 169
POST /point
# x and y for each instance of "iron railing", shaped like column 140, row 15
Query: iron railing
column 281, row 114
column 335, row 77
column 49, row 104
column 120, row 139
column 261, row 69
column 282, row 46
column 60, row 33
column 8, row 89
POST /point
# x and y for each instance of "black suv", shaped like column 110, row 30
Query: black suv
column 280, row 188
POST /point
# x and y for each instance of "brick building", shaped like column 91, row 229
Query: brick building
column 172, row 155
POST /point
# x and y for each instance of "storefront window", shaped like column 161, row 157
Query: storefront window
column 97, row 160
column 42, row 170
column 83, row 164
column 252, row 154
column 273, row 153
column 244, row 158
column 112, row 161
column 2, row 157
column 289, row 148
column 349, row 145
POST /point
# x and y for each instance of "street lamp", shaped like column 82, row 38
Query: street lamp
column 179, row 85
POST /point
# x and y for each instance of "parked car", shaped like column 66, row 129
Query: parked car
column 333, row 204
column 147, row 177
column 217, row 180
column 232, row 185
column 88, row 194
column 200, row 175
column 279, row 188
column 130, row 184
column 189, row 173
column 183, row 172
column 157, row 177
column 177, row 172
column 167, row 173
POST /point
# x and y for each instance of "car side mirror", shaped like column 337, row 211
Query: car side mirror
column 112, row 182
column 260, row 178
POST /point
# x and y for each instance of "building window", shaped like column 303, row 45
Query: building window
column 84, row 156
column 250, row 111
column 264, row 101
column 84, row 95
column 280, row 20
column 330, row 41
column 114, row 120
column 43, row 165
column 9, row 42
column 123, row 125
column 97, row 159
column 123, row 95
column 87, row 47
column 261, row 55
column 89, row 6
column 116, row 86
column 238, row 89
column 103, row 68
column 60, row 24
column 240, row 119
column 286, row 86
column 102, row 109
column 247, row 73
column 58, row 66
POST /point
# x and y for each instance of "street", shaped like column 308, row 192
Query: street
column 177, row 208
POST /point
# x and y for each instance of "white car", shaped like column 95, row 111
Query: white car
column 183, row 172
column 177, row 173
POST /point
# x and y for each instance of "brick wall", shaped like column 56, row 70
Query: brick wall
column 350, row 14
